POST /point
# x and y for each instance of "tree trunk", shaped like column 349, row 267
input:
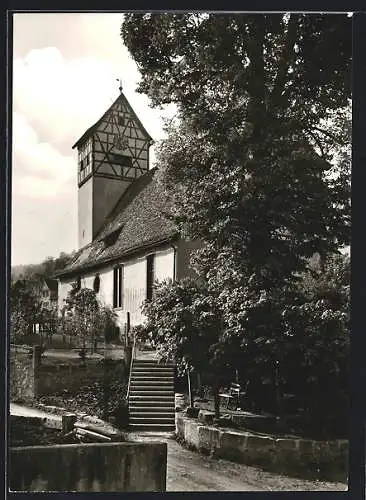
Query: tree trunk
column 190, row 393
column 278, row 392
column 215, row 390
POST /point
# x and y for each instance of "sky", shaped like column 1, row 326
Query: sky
column 65, row 71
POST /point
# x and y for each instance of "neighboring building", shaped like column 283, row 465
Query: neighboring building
column 48, row 294
column 125, row 241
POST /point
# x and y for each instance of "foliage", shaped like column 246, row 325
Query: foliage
column 23, row 310
column 184, row 325
column 320, row 357
column 37, row 272
column 258, row 165
column 248, row 162
column 86, row 319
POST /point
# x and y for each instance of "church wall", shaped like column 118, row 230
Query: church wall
column 134, row 283
column 106, row 194
column 64, row 286
column 134, row 288
column 85, row 208
column 164, row 264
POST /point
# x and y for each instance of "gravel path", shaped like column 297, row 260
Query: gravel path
column 190, row 471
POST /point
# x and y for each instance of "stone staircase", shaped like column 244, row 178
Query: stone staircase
column 151, row 396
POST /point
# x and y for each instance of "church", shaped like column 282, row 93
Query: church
column 126, row 242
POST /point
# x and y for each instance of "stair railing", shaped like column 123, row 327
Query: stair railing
column 131, row 363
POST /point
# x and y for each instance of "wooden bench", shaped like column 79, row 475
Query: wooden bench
column 231, row 398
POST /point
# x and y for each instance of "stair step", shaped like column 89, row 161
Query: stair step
column 151, row 362
column 153, row 380
column 150, row 388
column 142, row 404
column 152, row 427
column 148, row 376
column 150, row 420
column 136, row 412
column 152, row 391
column 154, row 369
column 151, row 399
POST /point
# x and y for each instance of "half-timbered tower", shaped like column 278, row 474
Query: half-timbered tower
column 126, row 242
column 111, row 154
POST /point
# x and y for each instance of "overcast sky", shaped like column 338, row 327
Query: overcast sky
column 64, row 78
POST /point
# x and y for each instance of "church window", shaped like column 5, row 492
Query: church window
column 118, row 286
column 150, row 271
column 84, row 155
column 124, row 160
column 96, row 284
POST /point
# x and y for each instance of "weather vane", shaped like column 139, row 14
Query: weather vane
column 120, row 84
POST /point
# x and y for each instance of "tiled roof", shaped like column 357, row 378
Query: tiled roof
column 137, row 221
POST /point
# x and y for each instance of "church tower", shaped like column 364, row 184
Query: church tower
column 111, row 155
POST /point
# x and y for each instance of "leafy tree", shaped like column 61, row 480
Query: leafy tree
column 249, row 161
column 184, row 325
column 86, row 319
column 37, row 272
column 23, row 310
column 257, row 162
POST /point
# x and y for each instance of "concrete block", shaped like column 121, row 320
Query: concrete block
column 179, row 426
column 233, row 445
column 191, row 432
column 68, row 421
column 100, row 467
column 208, row 438
column 206, row 417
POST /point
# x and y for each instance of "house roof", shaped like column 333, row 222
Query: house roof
column 94, row 127
column 138, row 221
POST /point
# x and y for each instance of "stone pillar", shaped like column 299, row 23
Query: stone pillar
column 68, row 422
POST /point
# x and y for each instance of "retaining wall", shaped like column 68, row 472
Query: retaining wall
column 313, row 459
column 54, row 378
column 24, row 372
column 30, row 378
column 89, row 467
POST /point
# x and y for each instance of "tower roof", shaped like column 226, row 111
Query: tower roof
column 92, row 129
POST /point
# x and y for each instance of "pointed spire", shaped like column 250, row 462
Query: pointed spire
column 120, row 84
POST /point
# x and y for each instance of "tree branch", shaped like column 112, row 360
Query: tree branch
column 318, row 142
column 286, row 57
column 328, row 134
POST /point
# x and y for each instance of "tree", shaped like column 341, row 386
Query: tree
column 23, row 309
column 87, row 319
column 257, row 163
column 184, row 325
column 81, row 312
column 255, row 95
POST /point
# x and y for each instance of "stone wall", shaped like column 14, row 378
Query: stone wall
column 24, row 372
column 293, row 456
column 54, row 378
column 89, row 467
column 31, row 378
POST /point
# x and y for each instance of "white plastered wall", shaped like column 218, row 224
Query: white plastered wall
column 134, row 284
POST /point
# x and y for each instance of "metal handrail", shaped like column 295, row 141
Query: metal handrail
column 131, row 363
